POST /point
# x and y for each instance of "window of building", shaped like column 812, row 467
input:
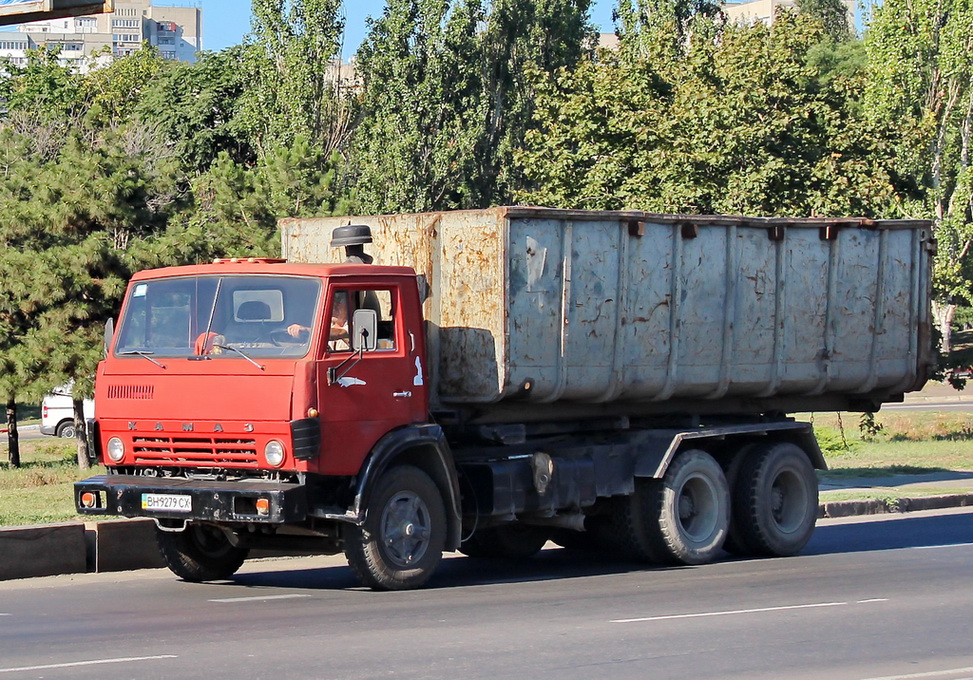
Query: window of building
column 166, row 41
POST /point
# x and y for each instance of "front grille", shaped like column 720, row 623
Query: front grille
column 198, row 451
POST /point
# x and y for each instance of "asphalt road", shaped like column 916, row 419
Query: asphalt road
column 869, row 598
column 25, row 433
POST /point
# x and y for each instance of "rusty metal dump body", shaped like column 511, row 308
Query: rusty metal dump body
column 645, row 313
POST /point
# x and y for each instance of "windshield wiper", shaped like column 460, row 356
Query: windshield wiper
column 144, row 355
column 241, row 353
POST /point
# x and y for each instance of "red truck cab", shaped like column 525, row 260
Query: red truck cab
column 251, row 398
column 204, row 374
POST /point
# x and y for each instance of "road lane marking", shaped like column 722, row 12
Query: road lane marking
column 948, row 545
column 735, row 612
column 95, row 662
column 258, row 598
column 927, row 674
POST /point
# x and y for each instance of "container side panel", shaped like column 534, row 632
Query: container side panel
column 472, row 309
column 535, row 307
column 752, row 359
column 646, row 341
column 853, row 316
column 701, row 312
column 592, row 310
column 806, row 335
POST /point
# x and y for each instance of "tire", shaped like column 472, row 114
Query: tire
column 687, row 512
column 200, row 553
column 66, row 429
column 622, row 531
column 402, row 539
column 775, row 501
column 734, row 543
column 509, row 541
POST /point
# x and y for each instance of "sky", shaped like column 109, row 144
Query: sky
column 224, row 23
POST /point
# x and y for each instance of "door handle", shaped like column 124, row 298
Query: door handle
column 402, row 394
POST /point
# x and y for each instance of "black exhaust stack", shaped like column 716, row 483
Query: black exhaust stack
column 353, row 237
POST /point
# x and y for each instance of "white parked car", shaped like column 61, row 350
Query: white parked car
column 57, row 413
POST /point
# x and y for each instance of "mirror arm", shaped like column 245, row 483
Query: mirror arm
column 336, row 373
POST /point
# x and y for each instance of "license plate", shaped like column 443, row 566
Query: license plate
column 167, row 502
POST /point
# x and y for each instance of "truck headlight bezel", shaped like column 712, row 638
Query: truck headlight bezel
column 274, row 453
column 115, row 450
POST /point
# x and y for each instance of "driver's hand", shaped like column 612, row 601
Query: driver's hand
column 295, row 329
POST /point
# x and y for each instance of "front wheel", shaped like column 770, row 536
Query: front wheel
column 200, row 553
column 402, row 539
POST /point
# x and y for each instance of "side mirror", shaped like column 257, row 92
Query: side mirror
column 365, row 323
column 109, row 334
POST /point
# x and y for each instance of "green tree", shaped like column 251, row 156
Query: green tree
column 111, row 92
column 832, row 14
column 69, row 221
column 422, row 112
column 448, row 95
column 292, row 84
column 43, row 88
column 197, row 109
column 742, row 124
column 920, row 56
column 646, row 26
column 237, row 207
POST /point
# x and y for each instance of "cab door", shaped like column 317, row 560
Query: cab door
column 375, row 392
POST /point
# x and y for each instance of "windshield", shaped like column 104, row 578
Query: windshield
column 219, row 316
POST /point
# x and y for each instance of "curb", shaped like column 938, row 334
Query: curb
column 128, row 544
column 875, row 506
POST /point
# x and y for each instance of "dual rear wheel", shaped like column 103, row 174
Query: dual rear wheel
column 693, row 513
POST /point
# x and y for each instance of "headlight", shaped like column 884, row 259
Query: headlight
column 116, row 449
column 274, row 453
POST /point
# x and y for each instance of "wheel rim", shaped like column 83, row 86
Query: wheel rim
column 788, row 501
column 406, row 528
column 698, row 509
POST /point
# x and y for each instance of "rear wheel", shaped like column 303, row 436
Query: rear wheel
column 622, row 528
column 402, row 539
column 508, row 541
column 200, row 553
column 66, row 429
column 775, row 501
column 687, row 512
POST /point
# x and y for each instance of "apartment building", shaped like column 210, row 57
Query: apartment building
column 763, row 11
column 175, row 30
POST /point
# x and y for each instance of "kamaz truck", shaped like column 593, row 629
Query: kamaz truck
column 487, row 381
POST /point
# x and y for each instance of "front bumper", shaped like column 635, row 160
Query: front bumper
column 132, row 496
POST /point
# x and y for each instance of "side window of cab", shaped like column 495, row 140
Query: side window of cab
column 343, row 306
